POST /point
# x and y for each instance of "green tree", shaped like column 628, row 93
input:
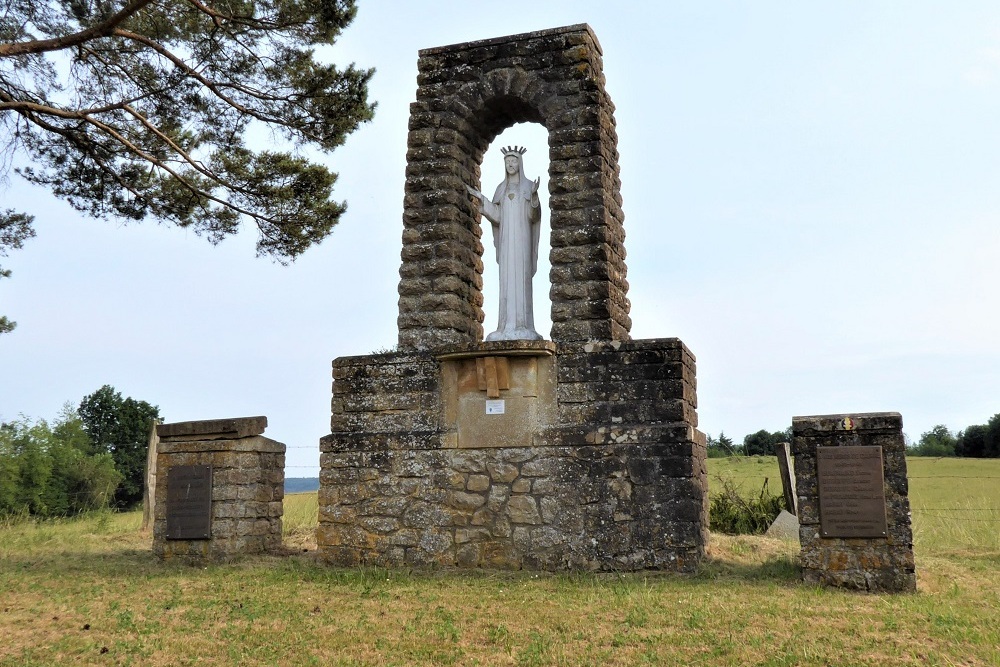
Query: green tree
column 82, row 480
column 972, row 442
column 120, row 427
column 762, row 442
column 9, row 469
column 15, row 229
column 721, row 447
column 938, row 441
column 142, row 109
column 991, row 438
column 27, row 469
column 50, row 471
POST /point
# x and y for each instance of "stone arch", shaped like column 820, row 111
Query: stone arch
column 467, row 94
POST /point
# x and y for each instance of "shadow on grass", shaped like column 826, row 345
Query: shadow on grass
column 130, row 564
column 43, row 550
column 777, row 569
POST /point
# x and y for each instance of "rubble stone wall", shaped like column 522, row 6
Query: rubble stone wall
column 618, row 482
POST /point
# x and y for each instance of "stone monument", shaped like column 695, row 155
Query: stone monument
column 853, row 504
column 220, row 489
column 579, row 452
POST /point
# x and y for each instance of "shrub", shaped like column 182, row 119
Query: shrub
column 51, row 471
column 762, row 442
column 732, row 514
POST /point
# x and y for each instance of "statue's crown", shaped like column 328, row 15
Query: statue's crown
column 514, row 150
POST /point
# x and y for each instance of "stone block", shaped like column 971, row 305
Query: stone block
column 503, row 473
column 523, row 510
column 246, row 489
column 466, row 502
column 212, row 429
column 479, row 483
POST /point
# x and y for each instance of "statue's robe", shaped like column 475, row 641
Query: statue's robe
column 516, row 217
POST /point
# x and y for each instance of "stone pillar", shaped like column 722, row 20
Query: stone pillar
column 220, row 489
column 854, row 510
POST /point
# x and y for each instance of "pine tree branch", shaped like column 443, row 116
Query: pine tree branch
column 58, row 43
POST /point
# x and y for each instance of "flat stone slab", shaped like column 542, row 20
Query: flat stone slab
column 212, row 429
column 498, row 348
column 523, row 37
column 817, row 424
column 785, row 527
column 257, row 443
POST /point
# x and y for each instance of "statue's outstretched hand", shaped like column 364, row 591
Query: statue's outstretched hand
column 474, row 192
column 534, row 187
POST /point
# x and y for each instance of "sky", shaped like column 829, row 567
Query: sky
column 812, row 204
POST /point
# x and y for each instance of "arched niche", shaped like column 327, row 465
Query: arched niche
column 467, row 95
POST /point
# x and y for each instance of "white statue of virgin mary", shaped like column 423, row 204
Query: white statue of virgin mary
column 516, row 217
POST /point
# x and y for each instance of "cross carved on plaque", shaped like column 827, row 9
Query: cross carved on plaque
column 492, row 375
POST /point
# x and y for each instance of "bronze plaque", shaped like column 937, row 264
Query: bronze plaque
column 851, row 491
column 189, row 503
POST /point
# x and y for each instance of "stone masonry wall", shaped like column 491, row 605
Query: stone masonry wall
column 873, row 564
column 467, row 94
column 618, row 483
column 248, row 478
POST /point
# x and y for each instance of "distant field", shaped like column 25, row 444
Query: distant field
column 301, row 484
column 955, row 502
column 88, row 592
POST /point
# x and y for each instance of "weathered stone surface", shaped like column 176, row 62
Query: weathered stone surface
column 257, row 444
column 872, row 564
column 523, row 509
column 592, row 495
column 213, row 429
column 478, row 483
column 246, row 497
column 784, row 527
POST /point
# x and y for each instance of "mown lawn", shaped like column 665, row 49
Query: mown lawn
column 88, row 592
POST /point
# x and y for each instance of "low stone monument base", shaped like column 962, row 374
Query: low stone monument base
column 588, row 458
column 220, row 490
column 854, row 510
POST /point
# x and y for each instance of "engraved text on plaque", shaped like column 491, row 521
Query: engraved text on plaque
column 851, row 491
column 189, row 503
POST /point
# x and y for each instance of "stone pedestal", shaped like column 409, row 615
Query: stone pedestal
column 593, row 463
column 854, row 534
column 233, row 480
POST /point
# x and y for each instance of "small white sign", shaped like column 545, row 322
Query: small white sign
column 495, row 406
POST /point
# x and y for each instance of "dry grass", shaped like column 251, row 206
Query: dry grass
column 298, row 526
column 955, row 504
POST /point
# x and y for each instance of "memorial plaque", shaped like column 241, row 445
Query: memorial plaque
column 851, row 491
column 189, row 503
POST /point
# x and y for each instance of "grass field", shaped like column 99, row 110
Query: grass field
column 955, row 502
column 88, row 592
